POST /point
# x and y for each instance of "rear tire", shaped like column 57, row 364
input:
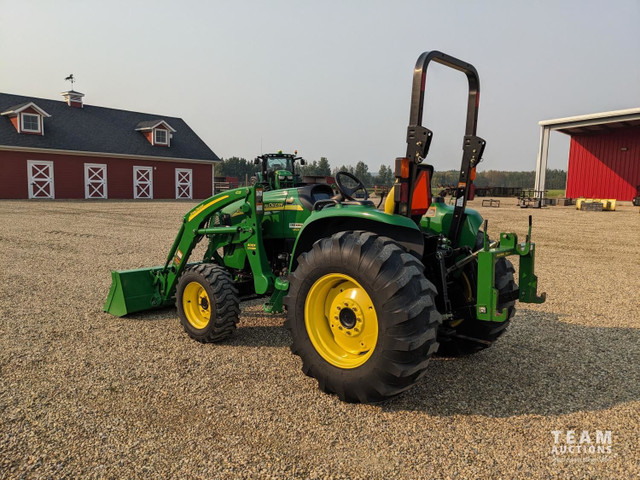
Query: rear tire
column 456, row 337
column 207, row 302
column 362, row 316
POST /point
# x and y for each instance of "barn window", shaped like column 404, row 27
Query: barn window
column 26, row 118
column 30, row 122
column 161, row 137
column 157, row 132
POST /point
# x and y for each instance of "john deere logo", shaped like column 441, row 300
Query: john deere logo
column 273, row 206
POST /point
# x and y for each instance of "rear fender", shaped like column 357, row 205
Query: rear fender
column 438, row 221
column 340, row 218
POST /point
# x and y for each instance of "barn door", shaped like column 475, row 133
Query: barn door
column 142, row 182
column 95, row 180
column 40, row 179
column 184, row 183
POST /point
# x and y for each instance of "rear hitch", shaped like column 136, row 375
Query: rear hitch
column 487, row 294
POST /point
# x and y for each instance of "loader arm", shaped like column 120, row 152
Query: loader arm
column 143, row 289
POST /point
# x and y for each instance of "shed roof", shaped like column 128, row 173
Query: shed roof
column 595, row 122
column 100, row 130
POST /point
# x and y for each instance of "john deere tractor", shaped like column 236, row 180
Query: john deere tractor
column 278, row 170
column 370, row 295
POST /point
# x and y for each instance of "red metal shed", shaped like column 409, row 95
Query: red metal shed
column 604, row 154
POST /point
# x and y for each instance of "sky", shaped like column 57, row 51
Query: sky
column 333, row 78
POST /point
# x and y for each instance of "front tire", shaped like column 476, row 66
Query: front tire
column 362, row 316
column 207, row 302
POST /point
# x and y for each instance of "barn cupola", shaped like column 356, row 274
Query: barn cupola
column 157, row 132
column 73, row 98
column 27, row 118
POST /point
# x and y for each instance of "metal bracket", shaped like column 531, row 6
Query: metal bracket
column 274, row 305
column 487, row 295
column 418, row 142
column 472, row 149
column 443, row 282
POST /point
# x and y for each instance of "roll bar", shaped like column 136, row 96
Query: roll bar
column 419, row 137
column 419, row 82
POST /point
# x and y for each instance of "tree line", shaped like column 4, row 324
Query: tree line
column 555, row 178
column 242, row 168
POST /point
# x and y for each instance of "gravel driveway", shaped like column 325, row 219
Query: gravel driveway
column 87, row 395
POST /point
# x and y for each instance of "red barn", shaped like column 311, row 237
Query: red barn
column 65, row 149
column 604, row 154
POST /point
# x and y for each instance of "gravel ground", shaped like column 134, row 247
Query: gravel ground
column 87, row 395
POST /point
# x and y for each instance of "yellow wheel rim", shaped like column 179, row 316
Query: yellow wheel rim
column 196, row 305
column 341, row 320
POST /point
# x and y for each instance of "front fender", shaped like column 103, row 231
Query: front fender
column 340, row 218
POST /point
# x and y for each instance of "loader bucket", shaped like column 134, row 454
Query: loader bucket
column 132, row 291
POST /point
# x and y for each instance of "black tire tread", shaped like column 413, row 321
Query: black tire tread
column 408, row 319
column 225, row 303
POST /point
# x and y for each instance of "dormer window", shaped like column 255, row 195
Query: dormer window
column 161, row 136
column 157, row 132
column 30, row 123
column 27, row 118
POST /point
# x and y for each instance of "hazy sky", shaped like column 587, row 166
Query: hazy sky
column 333, row 78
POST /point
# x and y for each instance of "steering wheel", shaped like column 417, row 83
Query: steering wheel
column 348, row 193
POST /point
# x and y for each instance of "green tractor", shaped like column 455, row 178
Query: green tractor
column 370, row 294
column 278, row 170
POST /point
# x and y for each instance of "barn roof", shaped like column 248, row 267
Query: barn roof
column 151, row 124
column 23, row 106
column 100, row 130
column 595, row 122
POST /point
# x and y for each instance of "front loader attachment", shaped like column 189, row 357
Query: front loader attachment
column 132, row 291
column 147, row 288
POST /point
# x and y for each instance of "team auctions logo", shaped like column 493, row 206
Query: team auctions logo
column 572, row 445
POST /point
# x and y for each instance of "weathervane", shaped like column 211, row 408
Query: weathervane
column 71, row 79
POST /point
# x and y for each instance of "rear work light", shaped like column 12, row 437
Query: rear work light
column 402, row 168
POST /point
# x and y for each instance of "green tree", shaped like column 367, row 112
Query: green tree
column 385, row 176
column 343, row 168
column 445, row 178
column 556, row 179
column 236, row 167
column 362, row 173
column 315, row 168
column 323, row 166
column 308, row 169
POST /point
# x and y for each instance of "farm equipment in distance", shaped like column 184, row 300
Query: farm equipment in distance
column 370, row 295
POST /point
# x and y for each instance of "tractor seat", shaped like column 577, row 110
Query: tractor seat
column 310, row 194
